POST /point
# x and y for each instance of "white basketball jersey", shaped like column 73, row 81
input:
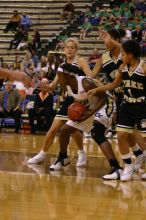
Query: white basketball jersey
column 81, row 96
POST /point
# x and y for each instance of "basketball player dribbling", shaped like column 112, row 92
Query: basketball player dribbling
column 71, row 50
column 76, row 87
column 132, row 114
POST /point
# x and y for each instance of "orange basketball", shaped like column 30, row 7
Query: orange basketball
column 76, row 111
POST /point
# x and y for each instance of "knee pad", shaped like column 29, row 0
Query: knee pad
column 98, row 133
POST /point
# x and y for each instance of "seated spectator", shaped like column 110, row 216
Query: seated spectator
column 60, row 46
column 43, row 107
column 125, row 33
column 10, row 104
column 17, row 39
column 25, row 42
column 93, row 58
column 140, row 8
column 43, row 64
column 13, row 23
column 127, row 14
column 61, row 39
column 68, row 11
column 117, row 13
column 27, row 61
column 36, row 39
column 85, row 28
column 25, row 22
column 34, row 56
column 17, row 65
column 137, row 34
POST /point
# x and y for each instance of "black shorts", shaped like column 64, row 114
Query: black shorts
column 132, row 116
column 62, row 112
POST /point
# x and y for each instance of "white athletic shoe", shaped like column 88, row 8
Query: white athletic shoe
column 82, row 159
column 40, row 157
column 138, row 162
column 143, row 176
column 114, row 174
column 59, row 163
column 127, row 172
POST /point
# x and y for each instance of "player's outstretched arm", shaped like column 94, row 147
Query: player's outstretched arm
column 107, row 87
column 16, row 75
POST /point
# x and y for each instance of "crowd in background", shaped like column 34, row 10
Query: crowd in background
column 129, row 17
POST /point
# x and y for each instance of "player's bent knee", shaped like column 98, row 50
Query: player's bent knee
column 98, row 133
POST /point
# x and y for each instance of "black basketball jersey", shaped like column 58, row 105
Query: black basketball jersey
column 77, row 70
column 134, row 84
column 110, row 66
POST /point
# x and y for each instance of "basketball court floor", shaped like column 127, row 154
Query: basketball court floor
column 32, row 192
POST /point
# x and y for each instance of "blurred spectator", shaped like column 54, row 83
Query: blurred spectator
column 36, row 39
column 17, row 65
column 14, row 22
column 126, row 13
column 25, row 42
column 34, row 56
column 17, row 39
column 68, row 11
column 85, row 28
column 43, row 107
column 50, row 75
column 27, row 61
column 61, row 38
column 25, row 22
column 60, row 46
column 10, row 104
column 125, row 33
column 93, row 58
column 137, row 34
column 140, row 8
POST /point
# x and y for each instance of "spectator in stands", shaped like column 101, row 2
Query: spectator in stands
column 34, row 56
column 140, row 8
column 36, row 39
column 17, row 39
column 93, row 58
column 68, row 11
column 137, row 34
column 61, row 39
column 125, row 33
column 43, row 66
column 25, row 22
column 25, row 42
column 17, row 65
column 60, row 46
column 13, row 23
column 127, row 13
column 51, row 73
column 10, row 104
column 85, row 28
column 43, row 107
column 27, row 61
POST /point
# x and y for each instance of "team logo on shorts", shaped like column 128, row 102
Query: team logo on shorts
column 143, row 123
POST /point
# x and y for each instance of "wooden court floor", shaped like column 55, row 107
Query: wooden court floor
column 32, row 192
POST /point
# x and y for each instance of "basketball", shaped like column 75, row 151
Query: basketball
column 76, row 111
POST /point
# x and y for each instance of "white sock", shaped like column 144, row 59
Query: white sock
column 42, row 152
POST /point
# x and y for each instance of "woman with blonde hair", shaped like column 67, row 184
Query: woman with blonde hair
column 71, row 51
